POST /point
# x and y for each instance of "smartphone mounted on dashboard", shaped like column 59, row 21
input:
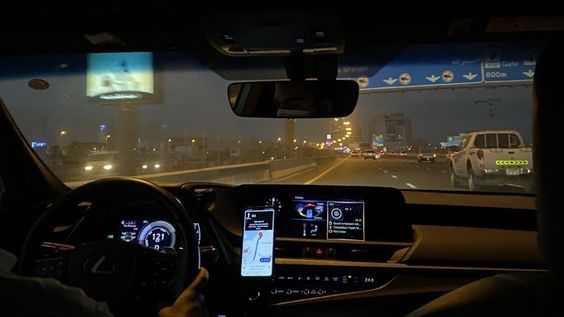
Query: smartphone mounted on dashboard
column 257, row 251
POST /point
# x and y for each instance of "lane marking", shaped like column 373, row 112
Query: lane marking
column 444, row 172
column 514, row 185
column 386, row 172
column 325, row 172
column 427, row 168
column 284, row 178
column 394, row 176
column 410, row 185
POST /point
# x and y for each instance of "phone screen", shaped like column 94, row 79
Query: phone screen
column 257, row 254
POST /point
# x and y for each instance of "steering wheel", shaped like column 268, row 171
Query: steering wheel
column 129, row 277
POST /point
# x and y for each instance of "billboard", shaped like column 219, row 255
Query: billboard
column 122, row 78
column 453, row 140
column 377, row 140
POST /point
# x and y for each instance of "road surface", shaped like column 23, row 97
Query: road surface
column 401, row 173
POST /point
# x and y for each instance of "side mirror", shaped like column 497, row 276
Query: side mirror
column 294, row 99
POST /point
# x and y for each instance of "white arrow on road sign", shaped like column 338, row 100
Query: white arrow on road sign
column 432, row 78
column 390, row 81
column 529, row 73
column 469, row 76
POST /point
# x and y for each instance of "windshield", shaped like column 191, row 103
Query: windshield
column 164, row 117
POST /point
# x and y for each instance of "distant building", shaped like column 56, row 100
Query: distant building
column 395, row 129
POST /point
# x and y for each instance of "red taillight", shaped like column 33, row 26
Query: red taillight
column 480, row 155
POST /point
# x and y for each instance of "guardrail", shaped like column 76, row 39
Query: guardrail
column 235, row 174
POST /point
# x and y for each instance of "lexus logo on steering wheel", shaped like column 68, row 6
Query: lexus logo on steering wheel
column 100, row 264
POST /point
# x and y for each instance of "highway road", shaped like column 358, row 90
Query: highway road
column 402, row 173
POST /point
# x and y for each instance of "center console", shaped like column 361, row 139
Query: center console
column 327, row 239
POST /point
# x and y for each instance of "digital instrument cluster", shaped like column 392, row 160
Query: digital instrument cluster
column 158, row 235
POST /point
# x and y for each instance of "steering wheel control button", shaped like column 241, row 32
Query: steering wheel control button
column 49, row 268
column 156, row 272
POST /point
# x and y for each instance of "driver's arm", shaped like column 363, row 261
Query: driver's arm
column 35, row 296
column 48, row 297
column 191, row 302
column 31, row 296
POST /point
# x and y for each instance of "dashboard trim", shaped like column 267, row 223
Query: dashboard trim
column 378, row 243
column 336, row 296
column 398, row 266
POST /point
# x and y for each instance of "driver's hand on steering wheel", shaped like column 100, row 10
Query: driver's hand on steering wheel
column 190, row 303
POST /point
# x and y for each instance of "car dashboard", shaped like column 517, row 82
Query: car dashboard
column 283, row 249
column 337, row 245
column 337, row 249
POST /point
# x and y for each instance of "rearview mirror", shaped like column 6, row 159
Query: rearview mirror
column 294, row 99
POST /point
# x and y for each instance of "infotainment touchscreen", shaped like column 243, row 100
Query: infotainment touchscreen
column 345, row 220
column 327, row 219
column 329, row 215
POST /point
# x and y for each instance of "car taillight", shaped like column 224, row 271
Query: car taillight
column 480, row 155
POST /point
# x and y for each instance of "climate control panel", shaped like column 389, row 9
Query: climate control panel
column 307, row 282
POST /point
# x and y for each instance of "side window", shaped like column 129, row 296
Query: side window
column 514, row 141
column 503, row 140
column 479, row 142
column 491, row 140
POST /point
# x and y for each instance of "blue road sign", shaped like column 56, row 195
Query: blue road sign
column 510, row 65
column 437, row 65
column 429, row 65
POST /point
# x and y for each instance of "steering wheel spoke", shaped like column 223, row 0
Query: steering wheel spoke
column 155, row 271
column 53, row 260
